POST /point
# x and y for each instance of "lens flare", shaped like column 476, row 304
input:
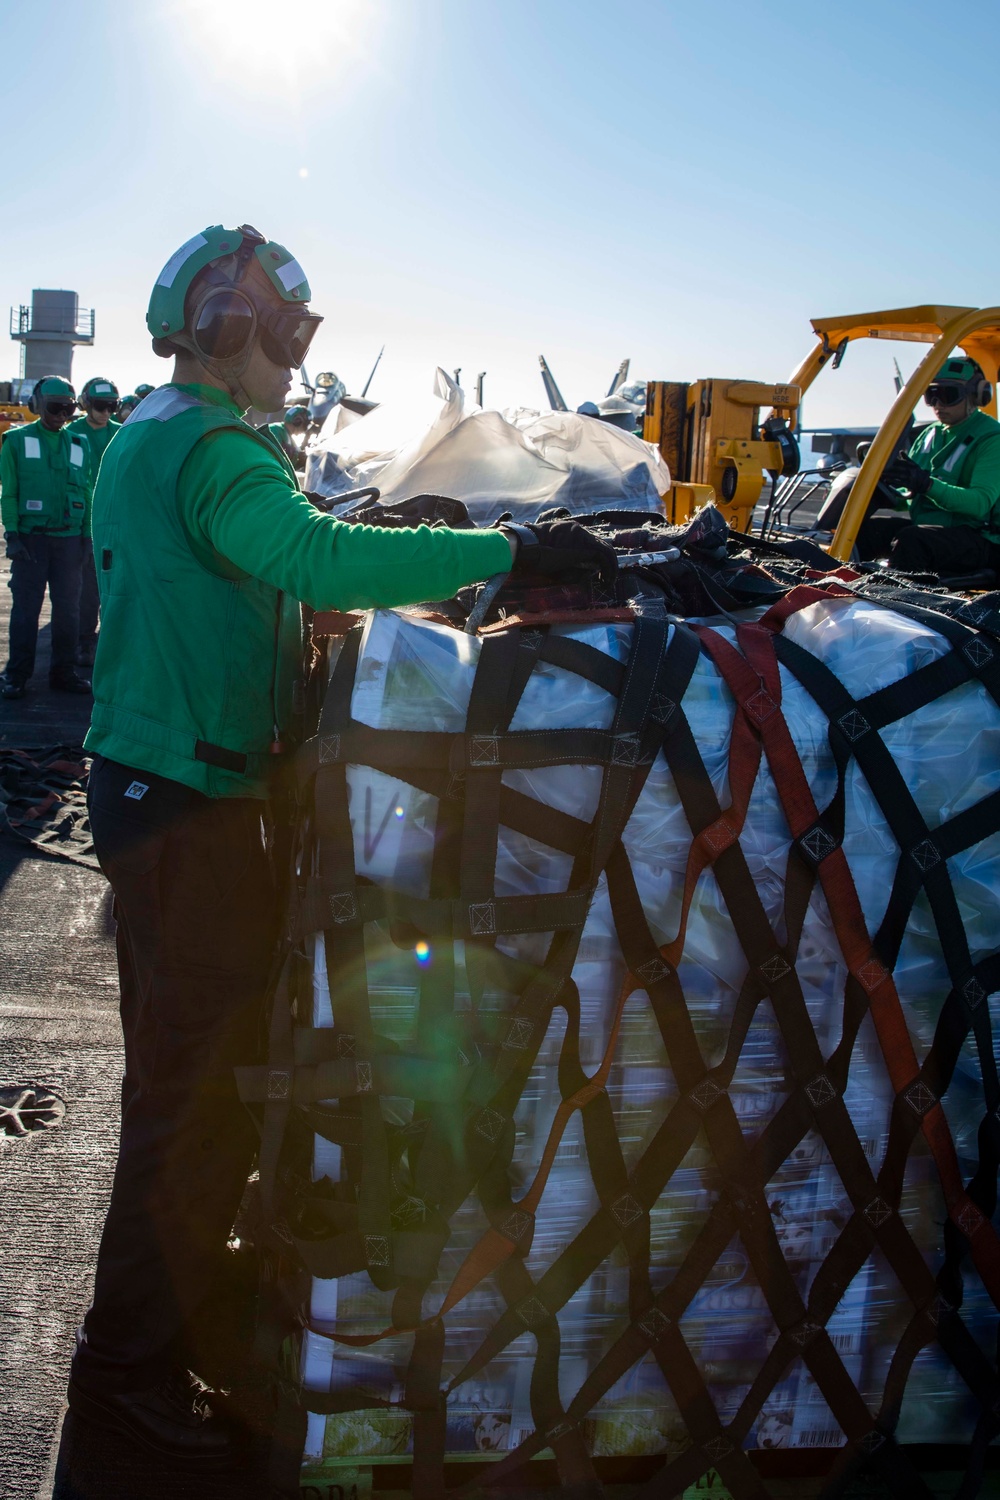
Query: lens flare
column 399, row 810
column 423, row 952
column 235, row 46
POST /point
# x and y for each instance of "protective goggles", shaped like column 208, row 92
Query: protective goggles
column 60, row 408
column 944, row 395
column 229, row 317
column 101, row 405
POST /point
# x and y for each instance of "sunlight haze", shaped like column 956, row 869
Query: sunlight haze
column 473, row 185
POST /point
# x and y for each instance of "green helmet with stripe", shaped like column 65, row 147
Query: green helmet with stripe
column 214, row 247
column 958, row 369
column 225, row 290
column 965, row 373
column 98, row 388
column 50, row 388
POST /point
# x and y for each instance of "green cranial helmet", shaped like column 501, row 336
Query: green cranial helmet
column 296, row 414
column 958, row 370
column 961, row 371
column 98, row 389
column 217, row 246
column 144, row 390
column 50, row 388
column 127, row 406
column 224, row 291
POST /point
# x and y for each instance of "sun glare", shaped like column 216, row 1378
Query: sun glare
column 250, row 48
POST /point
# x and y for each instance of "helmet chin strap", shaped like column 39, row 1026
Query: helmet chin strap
column 229, row 371
column 238, row 394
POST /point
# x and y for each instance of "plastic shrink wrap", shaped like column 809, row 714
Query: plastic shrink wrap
column 448, row 446
column 413, row 674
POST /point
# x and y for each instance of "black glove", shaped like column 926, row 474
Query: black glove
column 562, row 549
column 901, row 472
column 17, row 547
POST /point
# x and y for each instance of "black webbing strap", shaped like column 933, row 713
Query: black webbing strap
column 218, row 755
column 685, row 776
column 322, row 906
column 922, row 862
column 820, row 1093
column 522, row 749
column 469, row 1069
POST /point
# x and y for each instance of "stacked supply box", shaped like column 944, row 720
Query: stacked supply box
column 666, row 1327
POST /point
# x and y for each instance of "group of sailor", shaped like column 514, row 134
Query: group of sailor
column 48, row 469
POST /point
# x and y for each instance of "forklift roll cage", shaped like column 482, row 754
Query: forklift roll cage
column 975, row 329
column 710, row 434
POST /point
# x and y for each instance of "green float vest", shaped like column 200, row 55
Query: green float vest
column 97, row 437
column 52, row 480
column 954, row 462
column 197, row 660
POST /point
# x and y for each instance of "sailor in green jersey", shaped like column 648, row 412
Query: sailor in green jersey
column 295, row 424
column 952, row 477
column 99, row 399
column 45, row 495
column 205, row 545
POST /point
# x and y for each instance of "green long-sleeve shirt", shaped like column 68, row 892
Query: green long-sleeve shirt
column 203, row 542
column 238, row 502
column 964, row 462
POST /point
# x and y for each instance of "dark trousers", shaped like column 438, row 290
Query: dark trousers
column 90, row 603
column 58, row 562
column 197, row 935
column 948, row 550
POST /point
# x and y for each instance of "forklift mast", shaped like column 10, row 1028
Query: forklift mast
column 717, row 449
column 710, row 434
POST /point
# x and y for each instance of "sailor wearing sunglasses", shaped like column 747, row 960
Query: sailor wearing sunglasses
column 45, row 497
column 951, row 476
column 99, row 399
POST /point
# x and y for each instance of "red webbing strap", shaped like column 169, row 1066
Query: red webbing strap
column 801, row 597
column 754, row 680
column 857, row 1420
column 966, row 1215
column 751, row 1165
column 819, row 1310
column 709, row 842
column 842, row 1393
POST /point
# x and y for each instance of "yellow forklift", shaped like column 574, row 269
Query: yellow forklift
column 13, row 414
column 717, row 448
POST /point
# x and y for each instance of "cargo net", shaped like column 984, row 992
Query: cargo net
column 638, row 1094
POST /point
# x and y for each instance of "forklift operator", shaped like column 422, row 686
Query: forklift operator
column 205, row 545
column 952, row 478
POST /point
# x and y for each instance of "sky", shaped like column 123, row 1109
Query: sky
column 475, row 182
